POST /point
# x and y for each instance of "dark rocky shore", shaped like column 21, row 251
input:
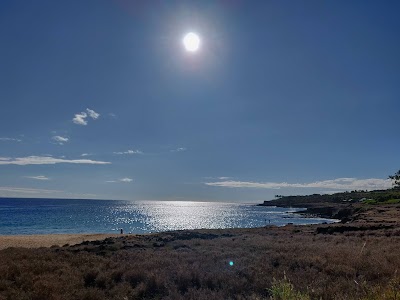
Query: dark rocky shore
column 346, row 206
column 342, row 212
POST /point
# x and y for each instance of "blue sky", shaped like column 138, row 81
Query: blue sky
column 99, row 99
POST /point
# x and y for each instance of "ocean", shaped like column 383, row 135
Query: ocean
column 54, row 216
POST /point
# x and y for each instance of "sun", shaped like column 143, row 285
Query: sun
column 191, row 42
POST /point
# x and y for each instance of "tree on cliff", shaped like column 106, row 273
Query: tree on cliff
column 396, row 179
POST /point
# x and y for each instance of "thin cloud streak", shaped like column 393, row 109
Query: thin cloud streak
column 27, row 190
column 126, row 179
column 7, row 139
column 46, row 160
column 60, row 139
column 7, row 191
column 180, row 149
column 336, row 184
column 129, row 152
column 40, row 177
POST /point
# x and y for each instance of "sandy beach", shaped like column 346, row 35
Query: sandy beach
column 48, row 240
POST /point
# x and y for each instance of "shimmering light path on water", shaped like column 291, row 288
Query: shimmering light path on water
column 45, row 216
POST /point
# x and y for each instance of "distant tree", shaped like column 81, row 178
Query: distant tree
column 395, row 179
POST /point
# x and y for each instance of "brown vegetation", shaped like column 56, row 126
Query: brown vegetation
column 357, row 260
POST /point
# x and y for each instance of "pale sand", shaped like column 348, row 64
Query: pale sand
column 48, row 240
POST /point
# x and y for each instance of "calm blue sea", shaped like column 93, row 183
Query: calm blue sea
column 45, row 216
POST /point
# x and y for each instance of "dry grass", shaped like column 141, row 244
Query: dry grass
column 269, row 263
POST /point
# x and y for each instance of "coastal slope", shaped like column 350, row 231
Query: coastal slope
column 353, row 260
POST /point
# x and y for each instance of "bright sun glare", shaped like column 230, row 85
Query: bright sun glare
column 191, row 42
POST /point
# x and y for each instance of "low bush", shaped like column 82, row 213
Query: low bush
column 191, row 265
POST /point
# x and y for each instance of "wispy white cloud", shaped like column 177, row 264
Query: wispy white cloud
column 129, row 152
column 180, row 149
column 7, row 139
column 46, row 160
column 217, row 178
column 86, row 154
column 60, row 139
column 94, row 115
column 126, row 179
column 40, row 177
column 81, row 118
column 343, row 184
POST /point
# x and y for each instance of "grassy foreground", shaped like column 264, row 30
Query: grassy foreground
column 356, row 260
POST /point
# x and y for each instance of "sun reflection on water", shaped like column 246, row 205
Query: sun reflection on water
column 71, row 216
column 155, row 216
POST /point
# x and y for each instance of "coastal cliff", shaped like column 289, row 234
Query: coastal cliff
column 345, row 206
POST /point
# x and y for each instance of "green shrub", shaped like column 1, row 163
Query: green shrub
column 284, row 290
column 370, row 201
column 392, row 201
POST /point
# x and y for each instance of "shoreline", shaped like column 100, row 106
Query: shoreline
column 351, row 214
column 69, row 239
column 335, row 211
